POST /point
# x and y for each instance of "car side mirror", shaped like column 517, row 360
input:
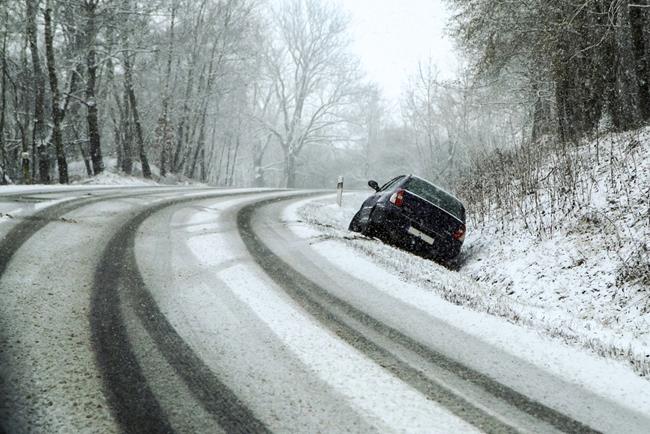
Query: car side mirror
column 373, row 185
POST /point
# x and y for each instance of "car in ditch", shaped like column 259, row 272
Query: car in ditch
column 414, row 214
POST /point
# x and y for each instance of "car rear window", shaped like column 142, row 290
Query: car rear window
column 437, row 197
column 391, row 183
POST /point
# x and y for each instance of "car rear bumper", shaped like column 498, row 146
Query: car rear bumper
column 399, row 229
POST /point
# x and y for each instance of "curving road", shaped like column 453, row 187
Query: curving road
column 200, row 310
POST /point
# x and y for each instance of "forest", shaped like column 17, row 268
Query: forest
column 269, row 93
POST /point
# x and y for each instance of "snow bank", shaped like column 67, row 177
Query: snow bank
column 592, row 271
column 111, row 176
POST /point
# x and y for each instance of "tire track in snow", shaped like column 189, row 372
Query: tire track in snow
column 29, row 193
column 133, row 402
column 348, row 322
column 30, row 225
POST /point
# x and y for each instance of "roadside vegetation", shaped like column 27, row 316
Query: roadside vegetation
column 581, row 168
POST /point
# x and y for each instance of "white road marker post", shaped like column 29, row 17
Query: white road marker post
column 339, row 191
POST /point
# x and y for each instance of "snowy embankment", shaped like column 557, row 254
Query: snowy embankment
column 111, row 176
column 584, row 283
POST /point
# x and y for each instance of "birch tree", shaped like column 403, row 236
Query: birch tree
column 57, row 111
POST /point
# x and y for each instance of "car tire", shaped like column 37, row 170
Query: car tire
column 354, row 223
column 370, row 230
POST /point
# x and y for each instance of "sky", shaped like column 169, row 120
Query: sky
column 390, row 37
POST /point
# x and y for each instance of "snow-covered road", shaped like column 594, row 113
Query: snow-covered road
column 204, row 310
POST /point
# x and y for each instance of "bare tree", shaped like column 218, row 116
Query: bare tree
column 314, row 78
column 198, row 36
column 40, row 129
column 90, row 10
column 133, row 106
column 262, row 108
column 164, row 128
column 420, row 109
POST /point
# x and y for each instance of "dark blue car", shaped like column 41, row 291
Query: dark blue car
column 414, row 214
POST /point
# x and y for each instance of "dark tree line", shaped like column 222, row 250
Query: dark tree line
column 581, row 62
column 45, row 43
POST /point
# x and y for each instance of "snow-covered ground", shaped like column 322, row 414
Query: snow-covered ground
column 569, row 285
column 589, row 278
column 113, row 176
column 78, row 174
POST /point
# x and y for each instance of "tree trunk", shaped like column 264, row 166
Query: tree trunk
column 290, row 169
column 258, row 168
column 39, row 134
column 115, row 94
column 90, row 7
column 56, row 97
column 163, row 153
column 163, row 141
column 640, row 26
column 220, row 164
column 127, row 142
column 191, row 129
column 210, row 159
column 541, row 115
column 200, row 143
column 231, row 178
column 128, row 81
column 71, row 108
column 203, row 166
column 3, row 102
column 178, row 158
column 22, row 124
column 209, row 80
column 86, row 159
column 195, row 157
column 627, row 105
column 21, row 117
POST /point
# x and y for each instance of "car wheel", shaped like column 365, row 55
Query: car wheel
column 354, row 223
column 371, row 229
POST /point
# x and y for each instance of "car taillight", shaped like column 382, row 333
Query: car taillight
column 397, row 198
column 459, row 234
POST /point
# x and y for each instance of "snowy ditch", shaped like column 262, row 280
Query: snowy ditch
column 581, row 317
